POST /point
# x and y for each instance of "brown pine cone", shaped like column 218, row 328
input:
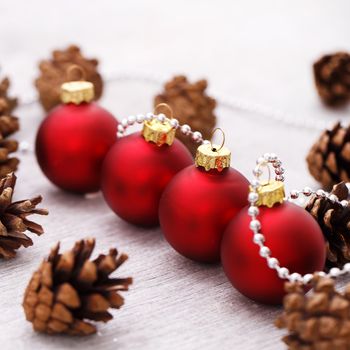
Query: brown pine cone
column 68, row 290
column 191, row 105
column 320, row 321
column 14, row 219
column 334, row 220
column 332, row 78
column 329, row 158
column 55, row 71
column 7, row 104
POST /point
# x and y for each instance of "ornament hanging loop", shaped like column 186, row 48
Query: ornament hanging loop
column 214, row 149
column 164, row 106
column 75, row 73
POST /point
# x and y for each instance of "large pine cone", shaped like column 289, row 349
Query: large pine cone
column 320, row 321
column 68, row 290
column 329, row 158
column 14, row 219
column 7, row 104
column 191, row 105
column 332, row 78
column 334, row 220
column 55, row 72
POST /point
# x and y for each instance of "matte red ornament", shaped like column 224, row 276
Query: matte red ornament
column 135, row 173
column 197, row 206
column 293, row 237
column 71, row 144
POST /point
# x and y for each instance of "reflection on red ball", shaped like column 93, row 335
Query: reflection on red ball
column 196, row 208
column 292, row 235
column 135, row 173
column 71, row 144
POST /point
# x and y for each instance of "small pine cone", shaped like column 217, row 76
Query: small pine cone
column 334, row 220
column 191, row 105
column 14, row 219
column 55, row 72
column 332, row 78
column 69, row 289
column 329, row 158
column 320, row 321
column 7, row 104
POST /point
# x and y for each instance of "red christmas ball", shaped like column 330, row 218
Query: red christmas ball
column 197, row 206
column 71, row 144
column 293, row 237
column 135, row 173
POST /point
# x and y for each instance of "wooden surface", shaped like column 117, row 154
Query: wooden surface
column 258, row 51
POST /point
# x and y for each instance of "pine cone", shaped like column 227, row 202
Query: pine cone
column 54, row 73
column 329, row 158
column 191, row 105
column 332, row 78
column 69, row 289
column 13, row 219
column 7, row 104
column 334, row 220
column 320, row 321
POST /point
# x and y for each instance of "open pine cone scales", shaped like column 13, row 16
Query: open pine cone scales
column 320, row 321
column 329, row 158
column 334, row 220
column 7, row 104
column 14, row 219
column 69, row 290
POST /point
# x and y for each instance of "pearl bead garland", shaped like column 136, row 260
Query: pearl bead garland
column 185, row 129
column 255, row 225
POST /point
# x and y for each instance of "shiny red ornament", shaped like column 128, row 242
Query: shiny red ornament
column 197, row 206
column 293, row 237
column 71, row 144
column 135, row 173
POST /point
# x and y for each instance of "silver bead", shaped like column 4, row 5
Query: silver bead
column 140, row 118
column 344, row 203
column 185, row 129
column 255, row 225
column 279, row 178
column 131, row 119
column 321, row 193
column 273, row 157
column 265, row 252
column 124, row 122
column 295, row 277
column 257, row 172
column 277, row 164
column 253, row 197
column 161, row 117
column 307, row 278
column 307, row 191
column 294, row 194
column 283, row 272
column 121, row 128
column 149, row 116
column 347, row 267
column 272, row 263
column 253, row 210
column 258, row 238
column 255, row 183
column 266, row 156
column 334, row 272
column 197, row 136
column 206, row 142
column 24, row 146
column 321, row 273
column 174, row 123
column 261, row 161
column 333, row 198
column 120, row 134
column 279, row 171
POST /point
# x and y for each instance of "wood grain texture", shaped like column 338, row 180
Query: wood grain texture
column 258, row 51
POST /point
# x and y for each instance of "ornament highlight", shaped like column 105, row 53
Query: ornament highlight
column 74, row 138
column 284, row 234
column 139, row 166
column 200, row 201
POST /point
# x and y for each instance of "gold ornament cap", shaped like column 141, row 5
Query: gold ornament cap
column 271, row 193
column 77, row 92
column 158, row 132
column 211, row 156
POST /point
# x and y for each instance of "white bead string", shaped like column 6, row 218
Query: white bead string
column 185, row 129
column 255, row 225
